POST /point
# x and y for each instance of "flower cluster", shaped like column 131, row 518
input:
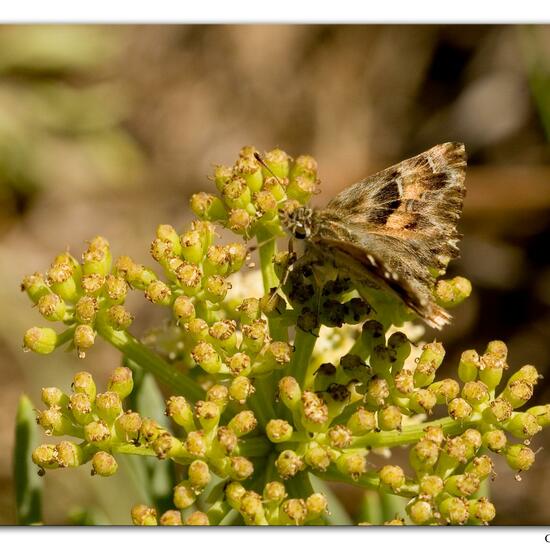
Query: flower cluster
column 272, row 395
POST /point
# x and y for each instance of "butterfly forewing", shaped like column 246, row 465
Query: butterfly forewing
column 400, row 224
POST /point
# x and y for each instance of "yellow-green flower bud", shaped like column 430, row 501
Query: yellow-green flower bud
column 219, row 395
column 266, row 203
column 475, row 392
column 184, row 495
column 517, row 392
column 420, row 512
column 234, row 493
column 224, row 332
column 85, row 310
column 339, row 436
column 392, row 477
column 495, row 440
column 183, row 309
column 197, row 329
column 45, row 456
column 469, row 365
column 445, row 390
column 390, row 418
column 430, row 486
column 197, row 518
column 278, row 163
column 362, row 421
column 422, row 400
column 251, row 508
column 254, row 336
column 40, row 340
column 226, row 439
column 208, row 414
column 171, row 517
column 207, row 357
column 93, row 283
column 181, row 412
column 83, row 382
column 167, row 446
column 527, row 373
column 143, row 515
column 84, row 338
column 159, row 293
column 208, row 207
column 127, row 426
column 454, row 510
column 428, row 363
column 104, row 464
column 523, row 425
column 53, row 396
column 199, row 474
column 424, row 455
column 97, row 258
column 519, row 457
column 216, row 288
column 81, row 408
column 249, row 168
column 404, row 382
column 288, row 464
column 35, row 286
column 97, row 432
column 121, row 382
column 274, row 492
column 481, row 510
column 222, row 174
column 116, row 289
column 480, row 466
column 278, row 431
column 317, row 457
column 462, row 485
column 54, row 422
column 195, row 444
column 189, row 278
column 243, row 423
column 150, row 429
column 237, row 256
column 239, row 221
column 491, row 369
column 450, row 293
column 240, row 468
column 241, row 389
column 192, row 246
column 459, row 409
column 119, row 318
column 315, row 409
column 377, row 391
column 294, row 511
column 52, row 307
column 69, row 454
column 353, row 464
column 542, row 414
column 236, row 193
column 109, row 406
column 62, row 279
column 316, row 505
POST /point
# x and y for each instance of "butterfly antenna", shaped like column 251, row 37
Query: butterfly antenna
column 259, row 158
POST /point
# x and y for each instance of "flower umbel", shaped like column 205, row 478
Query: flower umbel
column 269, row 396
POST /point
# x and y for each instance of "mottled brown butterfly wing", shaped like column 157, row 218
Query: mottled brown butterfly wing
column 395, row 227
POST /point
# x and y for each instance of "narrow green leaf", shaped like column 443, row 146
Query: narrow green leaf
column 156, row 478
column 28, row 484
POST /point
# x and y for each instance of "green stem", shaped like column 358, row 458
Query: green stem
column 300, row 367
column 64, row 337
column 129, row 449
column 369, row 480
column 150, row 361
column 412, row 434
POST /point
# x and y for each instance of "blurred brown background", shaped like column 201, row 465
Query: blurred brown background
column 110, row 129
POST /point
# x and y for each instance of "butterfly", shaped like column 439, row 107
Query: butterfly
column 395, row 230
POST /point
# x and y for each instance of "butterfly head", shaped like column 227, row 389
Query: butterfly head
column 297, row 220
